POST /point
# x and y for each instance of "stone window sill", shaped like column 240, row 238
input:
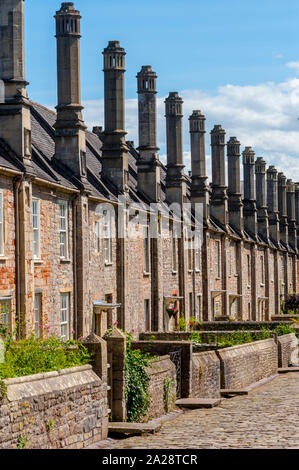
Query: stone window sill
column 65, row 260
column 262, row 285
column 146, row 274
column 38, row 261
column 174, row 272
column 108, row 264
column 3, row 259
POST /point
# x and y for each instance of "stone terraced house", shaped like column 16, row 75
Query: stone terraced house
column 67, row 195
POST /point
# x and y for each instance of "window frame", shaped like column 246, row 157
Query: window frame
column 248, row 257
column 229, row 262
column 64, row 203
column 6, row 300
column 97, row 236
column 38, row 322
column 197, row 257
column 235, row 259
column 107, row 237
column 65, row 322
column 218, row 258
column 146, row 250
column 36, row 243
column 147, row 315
column 262, row 261
column 174, row 254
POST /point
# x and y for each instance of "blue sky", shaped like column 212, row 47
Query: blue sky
column 237, row 61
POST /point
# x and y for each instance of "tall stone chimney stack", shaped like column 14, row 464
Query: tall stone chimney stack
column 272, row 199
column 235, row 204
column 282, row 207
column 250, row 211
column 297, row 211
column 175, row 178
column 219, row 205
column 148, row 175
column 261, row 197
column 291, row 211
column 199, row 187
column 70, row 144
column 15, row 124
column 115, row 150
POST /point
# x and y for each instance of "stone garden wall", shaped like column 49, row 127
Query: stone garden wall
column 287, row 350
column 162, row 372
column 55, row 410
column 205, row 375
column 247, row 364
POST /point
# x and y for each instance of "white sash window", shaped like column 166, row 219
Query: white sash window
column 36, row 227
column 63, row 229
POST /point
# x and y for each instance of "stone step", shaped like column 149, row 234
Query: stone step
column 231, row 392
column 134, row 428
column 195, row 403
column 285, row 370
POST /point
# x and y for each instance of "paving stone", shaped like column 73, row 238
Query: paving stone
column 267, row 418
column 195, row 403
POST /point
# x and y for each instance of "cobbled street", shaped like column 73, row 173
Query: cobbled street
column 267, row 418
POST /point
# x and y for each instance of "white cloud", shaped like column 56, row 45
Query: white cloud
column 293, row 65
column 264, row 116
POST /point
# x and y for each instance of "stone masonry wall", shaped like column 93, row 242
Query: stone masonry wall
column 159, row 370
column 65, row 409
column 246, row 364
column 205, row 375
column 287, row 350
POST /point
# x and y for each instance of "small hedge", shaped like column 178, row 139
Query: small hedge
column 34, row 356
column 242, row 337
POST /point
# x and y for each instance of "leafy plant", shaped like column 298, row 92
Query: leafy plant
column 22, row 442
column 169, row 394
column 137, row 383
column 282, row 329
column 33, row 356
column 182, row 324
column 50, row 425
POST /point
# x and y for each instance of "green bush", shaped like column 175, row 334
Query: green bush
column 137, row 383
column 231, row 339
column 282, row 329
column 33, row 356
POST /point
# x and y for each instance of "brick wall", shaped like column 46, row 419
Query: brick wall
column 65, row 409
column 205, row 375
column 159, row 371
column 287, row 350
column 7, row 262
column 246, row 364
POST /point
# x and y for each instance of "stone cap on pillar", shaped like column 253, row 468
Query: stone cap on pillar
column 174, row 104
column 68, row 20
column 146, row 80
column 248, row 156
column 197, row 122
column 290, row 186
column 233, row 147
column 282, row 180
column 114, row 56
column 260, row 166
column 217, row 135
column 272, row 173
